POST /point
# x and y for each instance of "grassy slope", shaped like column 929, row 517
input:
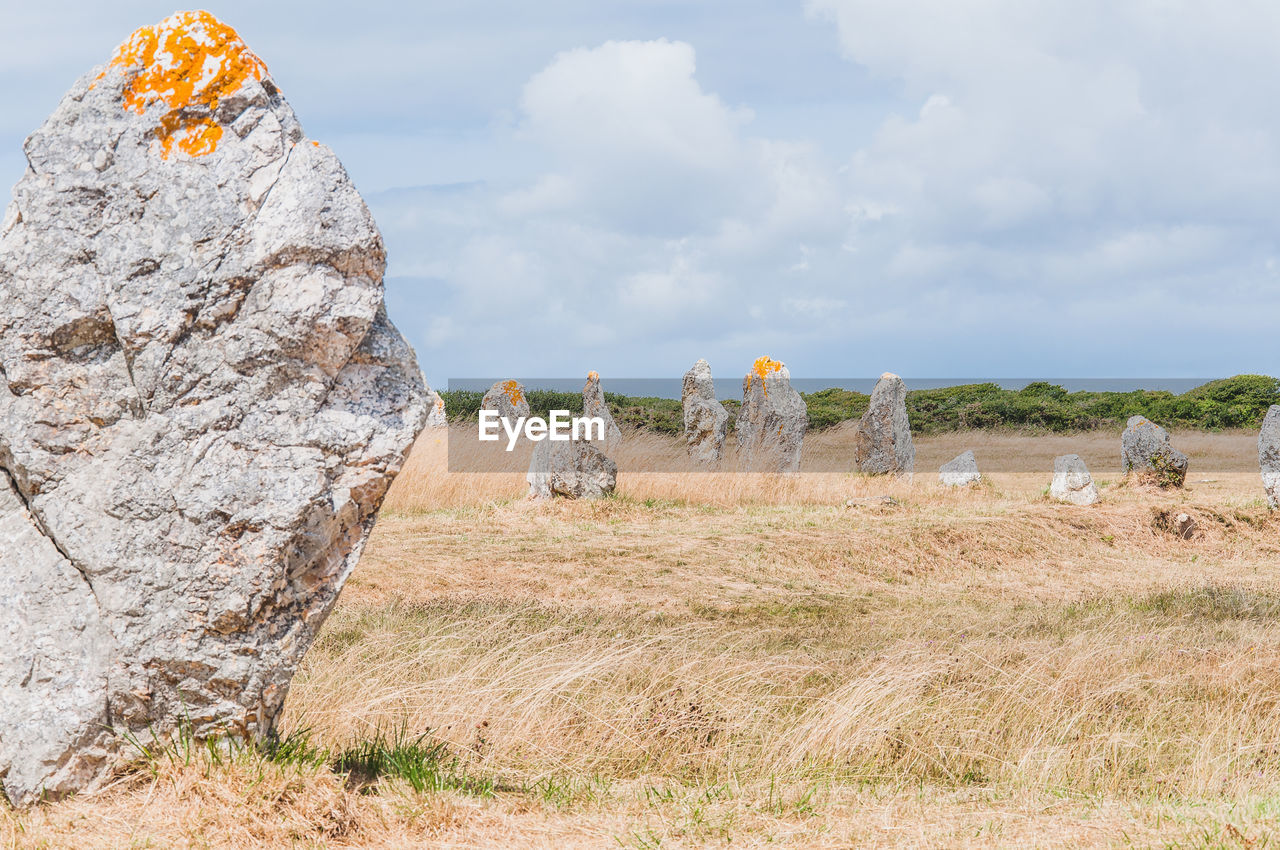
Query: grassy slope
column 798, row 663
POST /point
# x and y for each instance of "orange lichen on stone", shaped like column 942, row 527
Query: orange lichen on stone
column 190, row 61
column 513, row 392
column 762, row 368
column 593, row 375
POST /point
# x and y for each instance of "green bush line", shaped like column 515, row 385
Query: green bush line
column 1238, row 402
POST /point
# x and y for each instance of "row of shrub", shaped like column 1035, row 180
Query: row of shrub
column 1238, row 402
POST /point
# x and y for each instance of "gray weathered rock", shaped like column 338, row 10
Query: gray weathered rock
column 1269, row 455
column 202, row 404
column 575, row 469
column 593, row 404
column 960, row 471
column 882, row 444
column 772, row 421
column 436, row 417
column 507, row 398
column 1072, row 481
column 706, row 421
column 1145, row 449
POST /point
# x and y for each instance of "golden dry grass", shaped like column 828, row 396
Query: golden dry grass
column 712, row 658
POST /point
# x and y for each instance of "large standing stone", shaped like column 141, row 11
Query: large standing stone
column 772, row 421
column 961, row 471
column 436, row 417
column 1145, row 449
column 507, row 398
column 1269, row 455
column 594, row 405
column 575, row 469
column 202, row 404
column 706, row 422
column 1072, row 481
column 882, row 444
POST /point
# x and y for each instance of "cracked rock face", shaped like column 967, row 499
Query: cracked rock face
column 706, row 421
column 772, row 420
column 882, row 444
column 202, row 405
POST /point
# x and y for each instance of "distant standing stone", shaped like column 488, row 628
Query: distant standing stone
column 1072, row 481
column 575, row 469
column 435, row 413
column 882, row 445
column 1269, row 455
column 593, row 404
column 772, row 421
column 706, row 422
column 960, row 472
column 1145, row 448
column 506, row 397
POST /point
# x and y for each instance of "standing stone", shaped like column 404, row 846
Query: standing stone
column 202, row 405
column 1269, row 455
column 706, row 422
column 961, row 471
column 593, row 404
column 507, row 398
column 1072, row 481
column 575, row 469
column 1145, row 449
column 882, row 445
column 436, row 417
column 772, row 421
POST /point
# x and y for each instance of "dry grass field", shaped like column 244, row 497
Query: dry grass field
column 719, row 659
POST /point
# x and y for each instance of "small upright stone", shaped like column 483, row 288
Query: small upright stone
column 883, row 445
column 1146, row 450
column 706, row 422
column 594, row 405
column 436, row 417
column 574, row 469
column 960, row 471
column 1269, row 455
column 1072, row 481
column 507, row 398
column 772, row 421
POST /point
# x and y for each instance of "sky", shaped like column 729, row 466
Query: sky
column 941, row 188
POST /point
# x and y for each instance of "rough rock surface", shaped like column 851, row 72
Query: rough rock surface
column 772, row 421
column 1072, row 481
column 1269, row 455
column 882, row 444
column 202, row 405
column 506, row 397
column 1145, row 449
column 706, row 421
column 593, row 404
column 436, row 417
column 575, row 469
column 961, row 471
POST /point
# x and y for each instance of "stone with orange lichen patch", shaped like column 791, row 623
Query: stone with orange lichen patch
column 772, row 420
column 189, row 62
column 436, row 417
column 508, row 399
column 210, row 383
column 594, row 404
